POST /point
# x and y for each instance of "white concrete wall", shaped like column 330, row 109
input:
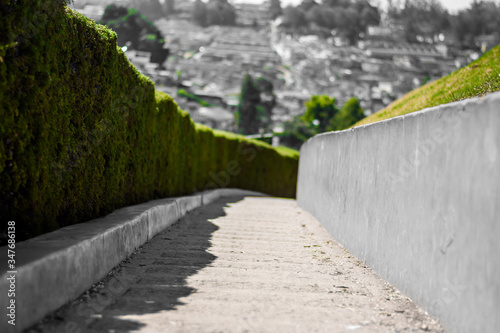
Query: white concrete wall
column 417, row 198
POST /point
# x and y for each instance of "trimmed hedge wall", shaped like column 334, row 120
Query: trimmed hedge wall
column 82, row 132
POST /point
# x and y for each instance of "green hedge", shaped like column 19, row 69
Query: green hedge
column 82, row 132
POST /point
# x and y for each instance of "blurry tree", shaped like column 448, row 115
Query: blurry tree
column 320, row 109
column 220, row 12
column 113, row 12
column 337, row 3
column 248, row 120
column 296, row 132
column 267, row 101
column 481, row 18
column 306, row 5
column 330, row 17
column 350, row 113
column 132, row 28
column 294, row 18
column 200, row 13
column 349, row 23
column 315, row 15
column 215, row 12
column 275, row 9
column 321, row 115
column 368, row 15
column 169, row 7
column 255, row 108
column 422, row 20
column 152, row 9
column 350, row 19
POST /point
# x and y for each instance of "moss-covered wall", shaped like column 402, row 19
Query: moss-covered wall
column 82, row 132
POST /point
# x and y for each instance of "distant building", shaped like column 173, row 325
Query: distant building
column 390, row 50
column 214, row 117
column 241, row 46
column 93, row 12
column 486, row 42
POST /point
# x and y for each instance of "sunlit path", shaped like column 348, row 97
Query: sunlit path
column 242, row 265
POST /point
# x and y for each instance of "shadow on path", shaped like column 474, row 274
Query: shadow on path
column 151, row 280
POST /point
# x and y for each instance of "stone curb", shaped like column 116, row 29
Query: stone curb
column 57, row 267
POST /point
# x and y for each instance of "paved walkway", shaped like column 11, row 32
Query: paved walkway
column 242, row 265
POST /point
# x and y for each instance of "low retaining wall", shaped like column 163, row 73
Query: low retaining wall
column 57, row 267
column 417, row 198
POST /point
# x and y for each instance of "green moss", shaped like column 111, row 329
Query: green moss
column 82, row 132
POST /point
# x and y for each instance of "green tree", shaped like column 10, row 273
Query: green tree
column 320, row 109
column 350, row 113
column 296, row 132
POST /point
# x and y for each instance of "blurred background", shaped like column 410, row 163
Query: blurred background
column 264, row 67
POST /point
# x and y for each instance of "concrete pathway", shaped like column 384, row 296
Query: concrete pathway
column 242, row 265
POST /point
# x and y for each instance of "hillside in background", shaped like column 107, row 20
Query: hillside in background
column 479, row 78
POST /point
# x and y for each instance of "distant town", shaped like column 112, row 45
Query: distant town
column 210, row 62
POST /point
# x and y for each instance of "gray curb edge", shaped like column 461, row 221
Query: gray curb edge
column 57, row 267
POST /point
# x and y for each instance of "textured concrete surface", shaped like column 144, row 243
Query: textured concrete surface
column 241, row 265
column 57, row 267
column 417, row 198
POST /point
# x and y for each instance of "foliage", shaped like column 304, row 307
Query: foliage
column 152, row 9
column 296, row 132
column 350, row 113
column 215, row 12
column 169, row 6
column 200, row 13
column 275, row 9
column 293, row 18
column 420, row 18
column 133, row 27
column 248, row 120
column 477, row 79
column 321, row 115
column 255, row 108
column 82, row 132
column 425, row 20
column 350, row 19
column 320, row 109
column 481, row 18
column 267, row 102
